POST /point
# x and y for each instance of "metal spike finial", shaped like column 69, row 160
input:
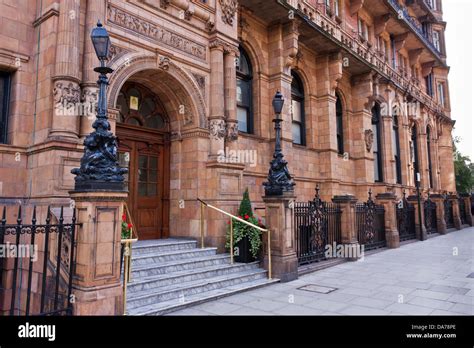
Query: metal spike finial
column 370, row 194
column 33, row 219
column 317, row 190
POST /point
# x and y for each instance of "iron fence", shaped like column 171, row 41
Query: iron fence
column 430, row 218
column 40, row 277
column 406, row 220
column 317, row 224
column 370, row 222
column 462, row 210
column 448, row 213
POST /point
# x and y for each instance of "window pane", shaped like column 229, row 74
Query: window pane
column 296, row 130
column 151, row 190
column 296, row 110
column 133, row 121
column 147, row 107
column 375, row 144
column 376, row 167
column 143, row 162
column 153, row 176
column 243, row 92
column 142, row 189
column 142, row 175
column 242, row 119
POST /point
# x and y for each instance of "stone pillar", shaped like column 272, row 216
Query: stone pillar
column 217, row 124
column 66, row 92
column 230, row 91
column 414, row 200
column 388, row 159
column 467, row 206
column 440, row 220
column 456, row 216
column 279, row 220
column 95, row 10
column 96, row 284
column 348, row 220
column 389, row 202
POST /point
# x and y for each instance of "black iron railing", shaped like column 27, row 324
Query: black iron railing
column 318, row 224
column 41, row 276
column 370, row 221
column 406, row 220
column 462, row 210
column 430, row 219
column 448, row 213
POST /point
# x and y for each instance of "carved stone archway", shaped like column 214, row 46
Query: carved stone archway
column 185, row 100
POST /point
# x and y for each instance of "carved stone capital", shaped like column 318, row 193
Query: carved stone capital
column 232, row 131
column 217, row 129
column 369, row 139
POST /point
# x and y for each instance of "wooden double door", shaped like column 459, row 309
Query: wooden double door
column 146, row 154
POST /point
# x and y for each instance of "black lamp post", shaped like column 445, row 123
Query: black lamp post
column 279, row 178
column 100, row 169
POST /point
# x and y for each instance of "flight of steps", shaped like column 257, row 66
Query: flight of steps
column 172, row 274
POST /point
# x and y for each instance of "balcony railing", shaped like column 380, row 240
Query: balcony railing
column 415, row 25
column 352, row 43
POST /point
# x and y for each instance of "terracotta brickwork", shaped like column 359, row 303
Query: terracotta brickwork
column 185, row 52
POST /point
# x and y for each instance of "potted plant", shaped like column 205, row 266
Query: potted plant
column 126, row 228
column 247, row 241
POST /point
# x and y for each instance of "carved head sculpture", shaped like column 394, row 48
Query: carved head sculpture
column 369, row 139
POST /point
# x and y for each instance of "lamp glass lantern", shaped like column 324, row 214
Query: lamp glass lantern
column 278, row 102
column 101, row 41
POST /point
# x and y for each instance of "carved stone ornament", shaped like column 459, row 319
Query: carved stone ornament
column 229, row 8
column 217, row 129
column 66, row 93
column 232, row 131
column 369, row 139
column 164, row 63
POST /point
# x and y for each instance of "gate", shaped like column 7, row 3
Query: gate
column 462, row 210
column 406, row 220
column 448, row 213
column 46, row 289
column 370, row 220
column 317, row 224
column 429, row 208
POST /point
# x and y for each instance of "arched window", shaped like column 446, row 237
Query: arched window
column 140, row 107
column 297, row 110
column 430, row 165
column 414, row 141
column 244, row 93
column 396, row 145
column 377, row 145
column 339, row 125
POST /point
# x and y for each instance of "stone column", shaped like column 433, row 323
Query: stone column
column 414, row 200
column 217, row 125
column 280, row 221
column 389, row 202
column 95, row 10
column 96, row 284
column 66, row 92
column 230, row 90
column 467, row 206
column 456, row 216
column 440, row 220
column 348, row 220
column 388, row 159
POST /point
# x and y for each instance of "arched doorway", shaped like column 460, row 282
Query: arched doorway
column 143, row 134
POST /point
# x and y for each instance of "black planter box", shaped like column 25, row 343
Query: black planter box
column 242, row 251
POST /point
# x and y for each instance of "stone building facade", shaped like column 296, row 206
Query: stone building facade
column 190, row 99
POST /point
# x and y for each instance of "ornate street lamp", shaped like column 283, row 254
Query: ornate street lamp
column 100, row 169
column 279, row 178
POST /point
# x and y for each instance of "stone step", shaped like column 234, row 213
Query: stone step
column 147, row 259
column 150, row 283
column 153, row 296
column 147, row 247
column 154, row 269
column 192, row 300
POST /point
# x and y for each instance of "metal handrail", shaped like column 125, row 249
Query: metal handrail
column 127, row 264
column 232, row 217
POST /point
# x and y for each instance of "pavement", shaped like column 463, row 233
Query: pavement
column 433, row 277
